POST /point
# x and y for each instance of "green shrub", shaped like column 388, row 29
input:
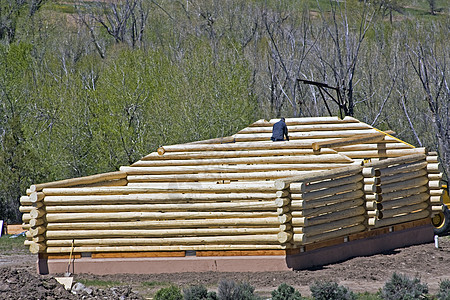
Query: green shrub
column 286, row 292
column 444, row 290
column 169, row 293
column 400, row 287
column 230, row 290
column 198, row 292
column 328, row 290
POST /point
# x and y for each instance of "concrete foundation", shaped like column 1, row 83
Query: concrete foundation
column 303, row 260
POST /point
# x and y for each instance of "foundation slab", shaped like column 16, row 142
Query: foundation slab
column 304, row 260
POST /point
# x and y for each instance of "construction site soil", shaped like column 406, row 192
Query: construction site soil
column 18, row 278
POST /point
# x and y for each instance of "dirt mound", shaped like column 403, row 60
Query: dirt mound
column 18, row 284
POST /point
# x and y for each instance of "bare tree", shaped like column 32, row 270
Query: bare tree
column 430, row 68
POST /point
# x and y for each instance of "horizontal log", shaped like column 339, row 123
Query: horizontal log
column 327, row 184
column 241, row 168
column 434, row 184
column 142, row 188
column 356, row 139
column 373, row 205
column 302, row 239
column 37, row 213
column 282, row 194
column 285, row 227
column 432, row 158
column 318, row 202
column 167, row 224
column 407, row 184
column 116, row 182
column 389, row 213
column 26, row 218
column 37, row 230
column 38, row 239
column 211, row 177
column 157, row 233
column 25, row 200
column 36, row 196
column 435, row 199
column 79, row 180
column 318, row 176
column 234, row 239
column 280, row 202
column 337, row 215
column 287, row 159
column 399, row 160
column 414, row 199
column 403, row 177
column 438, row 192
column 404, row 193
column 128, row 216
column 437, row 209
column 308, row 120
column 310, row 231
column 327, row 192
column 331, row 208
column 285, row 218
column 403, row 168
column 26, row 226
column 372, row 221
column 372, row 180
column 25, row 209
column 220, row 140
column 284, row 237
column 36, row 222
column 247, row 137
column 433, row 177
column 218, row 206
column 369, row 172
column 37, row 247
column 235, row 146
column 402, row 219
column 372, row 188
column 94, row 249
column 224, row 154
column 307, row 127
column 374, row 197
column 283, row 210
column 373, row 213
column 394, row 153
column 433, row 168
column 156, row 198
column 379, row 146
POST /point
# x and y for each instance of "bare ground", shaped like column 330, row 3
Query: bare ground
column 18, row 278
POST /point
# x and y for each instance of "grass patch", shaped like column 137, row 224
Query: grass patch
column 368, row 296
column 10, row 246
column 152, row 284
column 100, row 283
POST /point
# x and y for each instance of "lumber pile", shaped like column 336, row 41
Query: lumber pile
column 333, row 178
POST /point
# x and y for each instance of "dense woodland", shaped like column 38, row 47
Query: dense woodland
column 88, row 86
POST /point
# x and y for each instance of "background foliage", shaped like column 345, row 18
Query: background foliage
column 88, row 86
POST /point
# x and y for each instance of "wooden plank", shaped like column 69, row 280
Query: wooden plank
column 240, row 253
column 59, row 256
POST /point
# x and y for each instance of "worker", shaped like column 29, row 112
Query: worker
column 279, row 131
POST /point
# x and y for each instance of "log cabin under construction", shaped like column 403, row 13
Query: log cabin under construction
column 338, row 189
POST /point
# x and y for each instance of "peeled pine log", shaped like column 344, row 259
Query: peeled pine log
column 306, row 121
column 26, row 226
column 399, row 160
column 434, row 185
column 233, row 147
column 284, row 218
column 313, row 212
column 435, row 199
column 117, row 182
column 286, row 159
column 302, row 239
column 163, row 248
column 37, row 247
column 79, row 181
column 304, row 135
column 281, row 184
column 437, row 209
column 172, row 170
column 234, row 239
column 319, row 202
column 38, row 239
column 280, row 202
column 37, row 213
column 284, row 237
column 435, row 177
column 337, row 215
column 155, row 198
column 37, row 230
column 26, row 218
column 220, row 140
column 373, row 205
column 356, row 139
column 171, row 187
column 372, row 180
column 372, row 188
column 433, row 168
column 414, row 199
column 436, row 192
column 283, row 210
column 327, row 192
column 380, row 146
column 403, row 218
column 157, row 233
column 36, row 197
column 167, row 224
column 225, row 154
column 25, row 209
column 36, row 222
column 404, row 193
column 327, row 184
column 25, row 200
column 402, row 169
column 307, row 127
column 210, row 177
column 310, row 231
column 411, row 183
column 374, row 197
column 404, row 210
column 219, row 206
column 432, row 158
column 126, row 216
column 403, row 176
column 394, row 153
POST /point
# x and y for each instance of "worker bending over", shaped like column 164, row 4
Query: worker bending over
column 279, row 131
